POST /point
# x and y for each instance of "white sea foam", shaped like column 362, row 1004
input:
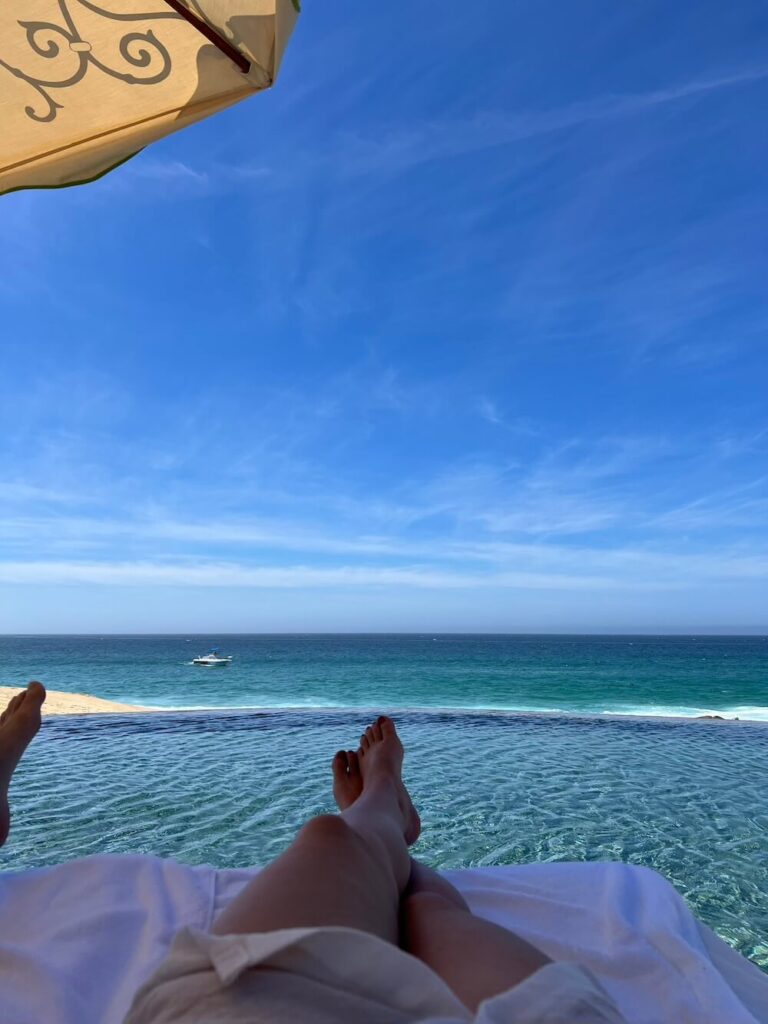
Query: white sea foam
column 749, row 712
column 297, row 705
column 743, row 713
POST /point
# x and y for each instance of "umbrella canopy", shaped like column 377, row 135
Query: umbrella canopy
column 85, row 84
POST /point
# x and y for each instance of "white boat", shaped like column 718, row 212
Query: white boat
column 213, row 659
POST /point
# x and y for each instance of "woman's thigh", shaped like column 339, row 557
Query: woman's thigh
column 475, row 958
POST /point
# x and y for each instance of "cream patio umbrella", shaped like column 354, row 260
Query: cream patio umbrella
column 85, row 84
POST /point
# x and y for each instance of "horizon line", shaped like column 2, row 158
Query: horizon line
column 758, row 632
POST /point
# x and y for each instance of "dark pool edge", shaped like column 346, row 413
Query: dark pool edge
column 458, row 712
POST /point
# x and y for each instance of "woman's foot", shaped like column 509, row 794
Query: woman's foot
column 379, row 757
column 18, row 725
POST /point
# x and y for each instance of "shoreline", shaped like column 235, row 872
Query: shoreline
column 63, row 703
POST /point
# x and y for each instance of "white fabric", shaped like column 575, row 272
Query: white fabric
column 327, row 975
column 77, row 940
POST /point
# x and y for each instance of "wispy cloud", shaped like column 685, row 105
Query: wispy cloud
column 215, row 574
column 146, row 174
column 740, row 508
column 442, row 139
column 492, row 412
column 439, row 139
column 17, row 492
column 735, row 445
column 261, row 547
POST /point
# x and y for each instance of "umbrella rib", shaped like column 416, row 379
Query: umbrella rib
column 212, row 36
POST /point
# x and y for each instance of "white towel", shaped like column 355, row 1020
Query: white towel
column 77, row 940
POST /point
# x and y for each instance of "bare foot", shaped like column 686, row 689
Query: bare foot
column 381, row 755
column 347, row 780
column 18, row 725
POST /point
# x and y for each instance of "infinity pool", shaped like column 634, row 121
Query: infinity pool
column 229, row 788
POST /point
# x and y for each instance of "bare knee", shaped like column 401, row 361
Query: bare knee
column 353, row 852
column 327, row 829
column 331, row 830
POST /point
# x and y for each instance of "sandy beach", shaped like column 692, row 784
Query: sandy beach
column 59, row 703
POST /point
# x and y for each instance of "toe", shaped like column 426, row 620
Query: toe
column 13, row 703
column 35, row 692
column 376, row 730
column 10, row 707
column 339, row 764
column 354, row 764
column 370, row 735
column 31, row 702
column 387, row 726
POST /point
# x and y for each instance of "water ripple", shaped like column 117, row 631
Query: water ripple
column 231, row 789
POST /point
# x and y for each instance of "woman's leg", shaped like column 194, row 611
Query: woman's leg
column 475, row 958
column 18, row 725
column 348, row 869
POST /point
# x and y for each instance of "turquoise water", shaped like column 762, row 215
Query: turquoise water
column 230, row 788
column 585, row 674
column 494, row 787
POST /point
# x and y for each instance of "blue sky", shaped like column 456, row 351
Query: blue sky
column 461, row 327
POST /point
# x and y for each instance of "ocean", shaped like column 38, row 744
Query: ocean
column 230, row 786
column 594, row 675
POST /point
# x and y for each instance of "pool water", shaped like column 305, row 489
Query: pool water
column 231, row 788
